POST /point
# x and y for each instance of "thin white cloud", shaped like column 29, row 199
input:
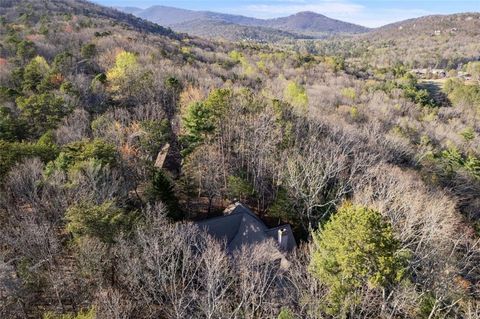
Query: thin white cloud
column 380, row 17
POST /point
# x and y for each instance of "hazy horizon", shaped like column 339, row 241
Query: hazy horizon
column 369, row 13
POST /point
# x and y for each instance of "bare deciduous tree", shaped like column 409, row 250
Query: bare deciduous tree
column 112, row 304
column 161, row 265
column 319, row 173
column 217, row 281
column 258, row 275
column 206, row 167
column 74, row 128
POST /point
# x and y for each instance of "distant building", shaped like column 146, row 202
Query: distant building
column 439, row 72
column 429, row 73
column 420, row 72
column 241, row 227
column 464, row 75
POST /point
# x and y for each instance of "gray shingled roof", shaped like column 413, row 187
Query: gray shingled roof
column 242, row 227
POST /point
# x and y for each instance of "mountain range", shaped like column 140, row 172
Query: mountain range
column 237, row 27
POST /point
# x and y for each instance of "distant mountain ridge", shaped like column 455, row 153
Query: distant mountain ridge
column 234, row 27
column 235, row 32
column 312, row 22
column 457, row 22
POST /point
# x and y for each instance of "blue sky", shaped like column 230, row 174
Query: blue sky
column 371, row 13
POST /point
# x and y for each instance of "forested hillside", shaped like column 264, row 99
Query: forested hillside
column 312, row 23
column 440, row 41
column 116, row 134
column 221, row 30
column 214, row 25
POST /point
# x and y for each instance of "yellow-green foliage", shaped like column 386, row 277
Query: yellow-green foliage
column 125, row 63
column 219, row 101
column 286, row 313
column 240, row 58
column 270, row 60
column 40, row 63
column 354, row 113
column 335, row 63
column 474, row 69
column 262, row 66
column 461, row 93
column 34, row 73
column 236, row 56
column 425, row 140
column 88, row 314
column 296, row 95
column 349, row 93
column 468, row 134
column 355, row 248
column 186, row 50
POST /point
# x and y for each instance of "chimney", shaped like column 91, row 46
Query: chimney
column 283, row 238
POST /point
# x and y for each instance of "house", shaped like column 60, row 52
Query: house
column 240, row 226
column 439, row 72
column 420, row 72
column 429, row 73
column 464, row 75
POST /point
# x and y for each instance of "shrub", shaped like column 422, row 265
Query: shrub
column 474, row 69
column 89, row 51
column 102, row 221
column 286, row 313
column 335, row 63
column 9, row 126
column 355, row 248
column 86, row 314
column 42, row 112
column 198, row 121
column 468, row 134
column 472, row 165
column 452, row 158
column 451, row 84
column 125, row 63
column 173, row 83
column 34, row 73
column 161, row 189
column 349, row 93
column 202, row 118
column 25, row 50
column 419, row 96
column 14, row 152
column 75, row 153
column 283, row 209
column 239, row 188
column 465, row 94
column 218, row 101
column 296, row 95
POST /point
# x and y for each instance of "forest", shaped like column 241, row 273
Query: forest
column 118, row 135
